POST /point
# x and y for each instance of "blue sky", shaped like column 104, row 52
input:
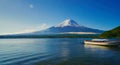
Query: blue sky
column 30, row 15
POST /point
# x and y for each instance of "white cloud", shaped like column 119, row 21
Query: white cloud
column 31, row 6
column 43, row 26
column 39, row 28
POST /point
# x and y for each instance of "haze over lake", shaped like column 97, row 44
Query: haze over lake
column 56, row 51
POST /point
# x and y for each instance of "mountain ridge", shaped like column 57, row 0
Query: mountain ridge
column 68, row 25
column 114, row 33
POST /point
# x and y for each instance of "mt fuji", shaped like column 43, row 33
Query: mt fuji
column 68, row 26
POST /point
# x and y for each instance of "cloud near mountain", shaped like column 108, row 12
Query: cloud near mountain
column 38, row 28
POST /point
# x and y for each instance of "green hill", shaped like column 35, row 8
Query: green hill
column 114, row 33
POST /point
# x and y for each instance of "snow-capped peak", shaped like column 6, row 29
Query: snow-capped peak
column 68, row 22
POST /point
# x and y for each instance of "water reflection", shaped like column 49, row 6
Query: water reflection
column 65, row 51
column 102, row 51
column 96, row 47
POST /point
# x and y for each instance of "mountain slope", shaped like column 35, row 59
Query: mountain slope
column 114, row 33
column 66, row 27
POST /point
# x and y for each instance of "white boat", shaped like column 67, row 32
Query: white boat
column 104, row 42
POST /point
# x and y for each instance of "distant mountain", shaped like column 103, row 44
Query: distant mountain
column 114, row 33
column 69, row 26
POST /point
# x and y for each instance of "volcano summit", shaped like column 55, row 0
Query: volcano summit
column 68, row 26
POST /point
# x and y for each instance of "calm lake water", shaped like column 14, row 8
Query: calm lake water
column 56, row 51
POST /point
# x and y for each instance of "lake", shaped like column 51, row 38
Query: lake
column 56, row 51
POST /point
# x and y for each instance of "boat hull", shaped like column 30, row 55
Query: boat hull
column 107, row 43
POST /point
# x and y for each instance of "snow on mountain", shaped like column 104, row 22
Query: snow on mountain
column 68, row 22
